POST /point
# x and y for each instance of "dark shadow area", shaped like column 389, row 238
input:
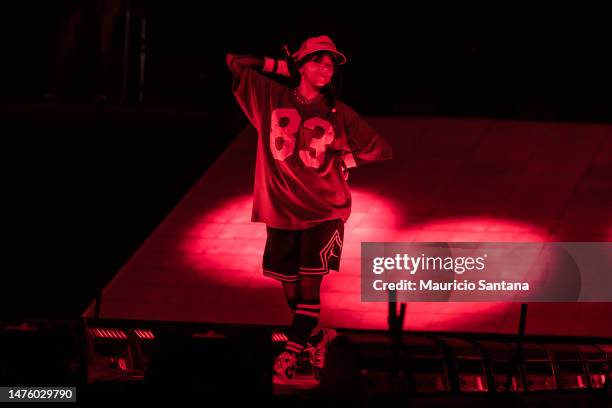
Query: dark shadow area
column 88, row 185
column 516, row 62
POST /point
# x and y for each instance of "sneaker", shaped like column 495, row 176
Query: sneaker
column 284, row 367
column 316, row 353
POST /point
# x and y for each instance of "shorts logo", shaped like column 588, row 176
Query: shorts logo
column 325, row 254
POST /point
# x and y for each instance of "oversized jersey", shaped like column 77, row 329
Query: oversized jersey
column 299, row 180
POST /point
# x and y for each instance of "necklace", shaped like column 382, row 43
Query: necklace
column 306, row 101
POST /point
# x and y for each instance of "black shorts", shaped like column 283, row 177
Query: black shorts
column 291, row 254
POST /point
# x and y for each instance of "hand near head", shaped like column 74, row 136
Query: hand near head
column 288, row 65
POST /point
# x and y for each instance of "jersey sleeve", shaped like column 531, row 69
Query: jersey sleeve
column 252, row 90
column 365, row 143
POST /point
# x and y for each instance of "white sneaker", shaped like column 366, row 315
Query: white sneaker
column 316, row 353
column 284, row 367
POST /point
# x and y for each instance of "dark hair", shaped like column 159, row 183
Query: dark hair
column 331, row 91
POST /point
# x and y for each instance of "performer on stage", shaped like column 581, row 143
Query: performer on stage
column 307, row 141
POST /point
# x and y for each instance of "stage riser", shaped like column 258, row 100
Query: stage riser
column 217, row 359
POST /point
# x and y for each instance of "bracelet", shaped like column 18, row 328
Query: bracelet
column 283, row 69
column 269, row 65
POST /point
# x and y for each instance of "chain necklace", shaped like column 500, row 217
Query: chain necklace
column 305, row 101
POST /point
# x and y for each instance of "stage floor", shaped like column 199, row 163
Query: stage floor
column 452, row 180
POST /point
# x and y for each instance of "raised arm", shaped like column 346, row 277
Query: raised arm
column 237, row 64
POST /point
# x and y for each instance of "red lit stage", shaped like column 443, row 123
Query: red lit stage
column 452, row 180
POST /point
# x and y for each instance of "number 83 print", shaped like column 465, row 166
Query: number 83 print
column 285, row 124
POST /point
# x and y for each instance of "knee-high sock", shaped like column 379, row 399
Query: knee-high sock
column 305, row 321
column 316, row 334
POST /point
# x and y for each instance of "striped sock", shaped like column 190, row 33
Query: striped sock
column 305, row 321
column 293, row 347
